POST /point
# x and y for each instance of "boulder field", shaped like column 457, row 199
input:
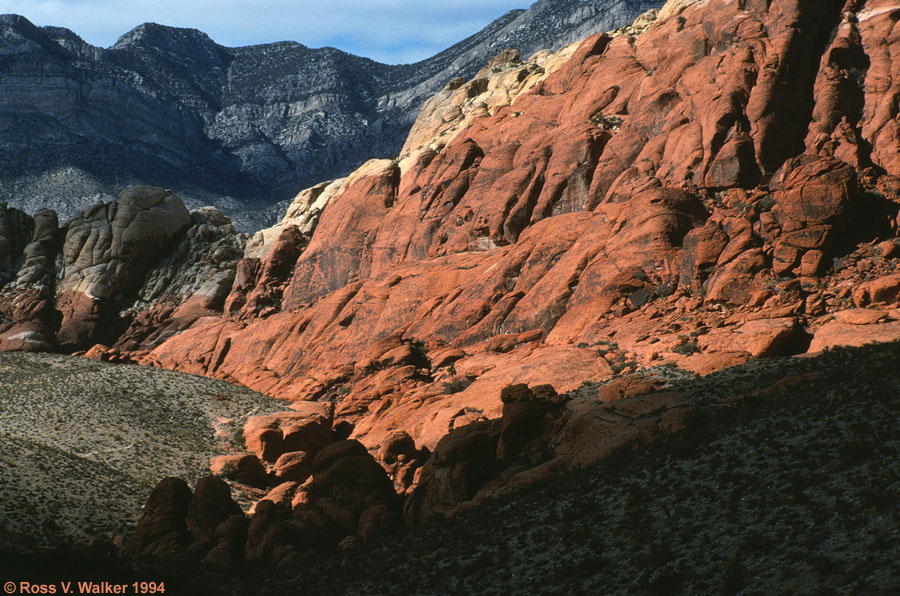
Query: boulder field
column 717, row 185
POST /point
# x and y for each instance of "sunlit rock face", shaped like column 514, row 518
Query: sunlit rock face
column 697, row 190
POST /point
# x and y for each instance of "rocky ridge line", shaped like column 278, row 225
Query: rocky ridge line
column 240, row 128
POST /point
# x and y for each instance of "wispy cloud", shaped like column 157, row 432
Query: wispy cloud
column 386, row 30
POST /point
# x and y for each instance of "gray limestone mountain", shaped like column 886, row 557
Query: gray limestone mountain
column 241, row 128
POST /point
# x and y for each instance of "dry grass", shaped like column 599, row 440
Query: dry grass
column 84, row 442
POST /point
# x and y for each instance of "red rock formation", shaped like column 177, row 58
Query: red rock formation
column 210, row 506
column 293, row 466
column 273, row 435
column 162, row 530
column 705, row 164
column 717, row 189
column 246, row 469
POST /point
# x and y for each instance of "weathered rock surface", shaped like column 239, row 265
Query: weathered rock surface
column 469, row 458
column 126, row 274
column 16, row 230
column 246, row 469
column 210, row 506
column 303, row 213
column 191, row 280
column 682, row 199
column 623, row 202
column 162, row 530
column 293, row 466
column 836, row 333
column 109, row 248
column 348, row 495
column 602, row 201
column 28, row 251
column 273, row 435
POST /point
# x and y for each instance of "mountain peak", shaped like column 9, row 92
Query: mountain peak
column 18, row 35
column 15, row 21
column 190, row 50
column 162, row 36
column 252, row 123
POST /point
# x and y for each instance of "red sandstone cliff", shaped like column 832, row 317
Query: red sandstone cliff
column 718, row 183
column 722, row 186
column 693, row 184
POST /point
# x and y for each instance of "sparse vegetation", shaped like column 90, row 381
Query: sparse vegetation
column 457, row 385
column 85, row 442
column 766, row 203
column 607, row 122
column 687, row 344
column 687, row 348
column 787, row 492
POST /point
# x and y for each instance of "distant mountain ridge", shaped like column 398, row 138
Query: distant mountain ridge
column 241, row 128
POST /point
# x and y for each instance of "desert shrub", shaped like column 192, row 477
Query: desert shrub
column 457, row 385
column 687, row 348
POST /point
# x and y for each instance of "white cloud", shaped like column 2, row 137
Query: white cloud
column 387, row 30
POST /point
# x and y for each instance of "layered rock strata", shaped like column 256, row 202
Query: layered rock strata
column 242, row 128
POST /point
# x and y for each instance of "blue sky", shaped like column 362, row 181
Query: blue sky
column 393, row 31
